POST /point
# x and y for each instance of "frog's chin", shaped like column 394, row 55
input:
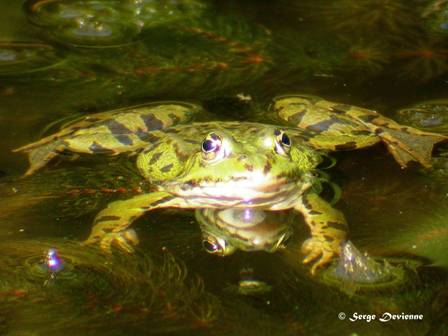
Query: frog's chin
column 277, row 194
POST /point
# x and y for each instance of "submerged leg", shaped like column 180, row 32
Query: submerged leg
column 113, row 132
column 328, row 230
column 111, row 224
column 332, row 126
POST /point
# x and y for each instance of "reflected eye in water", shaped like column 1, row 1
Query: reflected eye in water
column 212, row 246
column 242, row 217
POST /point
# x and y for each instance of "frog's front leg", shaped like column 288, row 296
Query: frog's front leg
column 111, row 224
column 328, row 230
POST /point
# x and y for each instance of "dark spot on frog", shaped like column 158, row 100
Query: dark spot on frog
column 151, row 122
column 341, row 108
column 346, row 146
column 124, row 139
column 107, row 218
column 158, row 202
column 174, row 118
column 248, row 167
column 73, row 129
column 337, row 225
column 167, row 168
column 314, row 212
column 323, row 125
column 116, row 127
column 328, row 238
column 155, row 158
column 361, row 132
column 368, row 117
column 267, row 168
column 142, row 135
column 97, row 148
column 297, row 117
column 306, row 203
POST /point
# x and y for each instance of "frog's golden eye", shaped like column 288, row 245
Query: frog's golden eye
column 283, row 142
column 211, row 146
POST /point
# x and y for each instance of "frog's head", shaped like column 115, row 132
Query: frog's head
column 238, row 164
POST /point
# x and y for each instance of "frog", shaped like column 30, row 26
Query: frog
column 198, row 164
column 226, row 230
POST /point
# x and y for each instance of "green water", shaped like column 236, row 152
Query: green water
column 383, row 55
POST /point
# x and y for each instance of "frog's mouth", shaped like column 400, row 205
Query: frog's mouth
column 275, row 194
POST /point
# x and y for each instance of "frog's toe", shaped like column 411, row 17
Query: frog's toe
column 125, row 241
column 317, row 250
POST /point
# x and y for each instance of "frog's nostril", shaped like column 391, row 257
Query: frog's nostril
column 242, row 157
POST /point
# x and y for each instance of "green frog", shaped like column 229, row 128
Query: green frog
column 229, row 164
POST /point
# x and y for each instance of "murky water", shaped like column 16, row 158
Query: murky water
column 63, row 59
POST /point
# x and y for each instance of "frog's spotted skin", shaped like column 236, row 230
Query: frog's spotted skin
column 334, row 126
column 220, row 164
column 113, row 132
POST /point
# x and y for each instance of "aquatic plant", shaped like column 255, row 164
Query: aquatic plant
column 387, row 19
column 366, row 58
column 221, row 51
column 94, row 291
column 422, row 61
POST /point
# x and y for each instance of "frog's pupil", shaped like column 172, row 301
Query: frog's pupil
column 208, row 145
column 286, row 140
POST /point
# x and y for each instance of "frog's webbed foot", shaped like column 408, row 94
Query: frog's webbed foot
column 111, row 225
column 405, row 143
column 125, row 241
column 39, row 156
column 319, row 252
column 328, row 230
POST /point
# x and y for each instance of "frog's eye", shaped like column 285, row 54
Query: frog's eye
column 211, row 146
column 212, row 246
column 283, row 142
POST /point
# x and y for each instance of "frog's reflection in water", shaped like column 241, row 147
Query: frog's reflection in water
column 227, row 230
column 248, row 229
